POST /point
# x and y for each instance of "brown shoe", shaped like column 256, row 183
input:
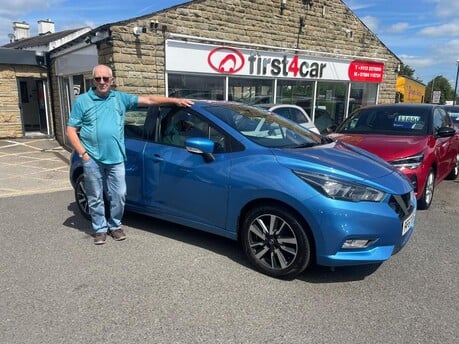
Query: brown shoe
column 118, row 234
column 99, row 238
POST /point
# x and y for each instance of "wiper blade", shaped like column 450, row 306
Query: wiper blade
column 326, row 139
column 307, row 145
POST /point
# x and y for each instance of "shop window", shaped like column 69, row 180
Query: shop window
column 363, row 94
column 295, row 92
column 196, row 87
column 251, row 91
column 330, row 104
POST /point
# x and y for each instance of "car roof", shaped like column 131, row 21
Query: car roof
column 407, row 105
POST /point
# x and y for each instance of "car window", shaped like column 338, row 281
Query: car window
column 292, row 114
column 179, row 124
column 134, row 126
column 264, row 127
column 440, row 119
column 387, row 120
column 453, row 113
column 140, row 123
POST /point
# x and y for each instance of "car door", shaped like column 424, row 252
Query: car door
column 182, row 186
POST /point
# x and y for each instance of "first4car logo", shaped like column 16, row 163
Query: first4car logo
column 228, row 60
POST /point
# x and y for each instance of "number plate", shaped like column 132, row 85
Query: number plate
column 408, row 223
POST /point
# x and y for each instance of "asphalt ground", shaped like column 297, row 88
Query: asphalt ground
column 171, row 284
column 31, row 166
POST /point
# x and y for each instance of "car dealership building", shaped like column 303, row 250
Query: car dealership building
column 313, row 53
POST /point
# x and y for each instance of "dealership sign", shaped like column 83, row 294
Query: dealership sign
column 211, row 59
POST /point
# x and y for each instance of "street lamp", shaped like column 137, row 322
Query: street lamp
column 455, row 87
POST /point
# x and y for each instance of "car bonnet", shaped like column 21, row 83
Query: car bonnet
column 388, row 147
column 337, row 159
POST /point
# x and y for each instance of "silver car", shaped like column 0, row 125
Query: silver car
column 293, row 113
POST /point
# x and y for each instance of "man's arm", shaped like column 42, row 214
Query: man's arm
column 162, row 100
column 74, row 140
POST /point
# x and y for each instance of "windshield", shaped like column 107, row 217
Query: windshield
column 391, row 120
column 263, row 127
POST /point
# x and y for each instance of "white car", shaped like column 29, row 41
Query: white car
column 293, row 113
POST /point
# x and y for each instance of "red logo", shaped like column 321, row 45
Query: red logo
column 225, row 60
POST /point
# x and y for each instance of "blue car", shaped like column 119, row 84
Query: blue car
column 290, row 196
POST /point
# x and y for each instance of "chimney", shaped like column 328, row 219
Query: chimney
column 45, row 26
column 21, row 30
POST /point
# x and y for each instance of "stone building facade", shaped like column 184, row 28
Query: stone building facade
column 136, row 49
column 25, row 96
column 12, row 78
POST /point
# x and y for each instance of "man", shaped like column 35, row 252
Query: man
column 98, row 115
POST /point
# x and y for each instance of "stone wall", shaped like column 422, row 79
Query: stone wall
column 10, row 115
column 11, row 125
column 330, row 29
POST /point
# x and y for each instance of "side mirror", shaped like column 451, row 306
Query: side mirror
column 445, row 132
column 202, row 146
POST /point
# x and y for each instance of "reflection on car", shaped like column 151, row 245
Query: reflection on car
column 293, row 113
column 290, row 196
column 419, row 139
column 323, row 120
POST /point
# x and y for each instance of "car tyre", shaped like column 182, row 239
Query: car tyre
column 455, row 171
column 81, row 198
column 275, row 242
column 426, row 199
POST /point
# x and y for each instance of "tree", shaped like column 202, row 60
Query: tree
column 406, row 70
column 439, row 83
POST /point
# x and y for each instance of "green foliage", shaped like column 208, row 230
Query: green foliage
column 406, row 70
column 439, row 83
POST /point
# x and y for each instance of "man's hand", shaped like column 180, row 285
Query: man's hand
column 183, row 102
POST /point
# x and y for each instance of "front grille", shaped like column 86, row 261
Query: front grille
column 402, row 205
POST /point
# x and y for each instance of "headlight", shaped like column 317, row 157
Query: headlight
column 409, row 162
column 337, row 189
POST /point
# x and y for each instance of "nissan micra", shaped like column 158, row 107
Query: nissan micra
column 290, row 196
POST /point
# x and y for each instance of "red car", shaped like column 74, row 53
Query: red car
column 419, row 139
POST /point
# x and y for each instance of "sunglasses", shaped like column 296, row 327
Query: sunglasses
column 105, row 78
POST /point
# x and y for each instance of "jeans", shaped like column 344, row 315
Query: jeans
column 109, row 179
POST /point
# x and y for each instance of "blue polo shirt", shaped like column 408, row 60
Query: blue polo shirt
column 101, row 124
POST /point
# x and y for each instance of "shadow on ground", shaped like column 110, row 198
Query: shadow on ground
column 221, row 246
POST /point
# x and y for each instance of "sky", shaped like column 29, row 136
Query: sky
column 424, row 34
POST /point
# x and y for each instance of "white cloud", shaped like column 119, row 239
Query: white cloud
column 448, row 29
column 398, row 28
column 446, row 8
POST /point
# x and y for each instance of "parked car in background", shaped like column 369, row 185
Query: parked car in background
column 453, row 111
column 293, row 113
column 290, row 196
column 419, row 139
